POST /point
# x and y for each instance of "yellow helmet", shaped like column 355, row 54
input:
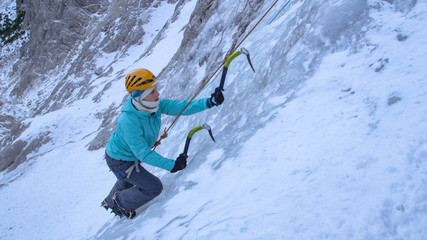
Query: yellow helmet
column 140, row 79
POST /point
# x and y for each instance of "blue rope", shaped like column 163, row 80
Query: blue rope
column 279, row 12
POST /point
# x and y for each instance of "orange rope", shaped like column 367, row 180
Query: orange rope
column 165, row 134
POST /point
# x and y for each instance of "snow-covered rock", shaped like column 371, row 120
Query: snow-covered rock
column 326, row 140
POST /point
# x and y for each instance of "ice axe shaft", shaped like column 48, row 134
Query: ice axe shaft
column 227, row 64
column 193, row 131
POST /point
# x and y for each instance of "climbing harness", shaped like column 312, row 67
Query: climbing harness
column 165, row 133
column 192, row 132
column 135, row 167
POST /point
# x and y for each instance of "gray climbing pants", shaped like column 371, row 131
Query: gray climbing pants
column 134, row 189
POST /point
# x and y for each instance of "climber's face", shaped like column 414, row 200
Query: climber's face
column 153, row 96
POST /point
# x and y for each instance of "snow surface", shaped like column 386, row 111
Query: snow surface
column 341, row 155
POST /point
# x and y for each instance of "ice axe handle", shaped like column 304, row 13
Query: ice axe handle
column 187, row 145
column 224, row 74
column 225, row 69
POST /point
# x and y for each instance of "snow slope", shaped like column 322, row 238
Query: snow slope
column 327, row 140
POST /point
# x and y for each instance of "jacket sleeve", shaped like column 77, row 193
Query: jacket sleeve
column 140, row 148
column 174, row 107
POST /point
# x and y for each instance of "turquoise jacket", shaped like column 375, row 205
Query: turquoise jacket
column 137, row 131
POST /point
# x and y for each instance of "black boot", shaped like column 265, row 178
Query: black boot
column 123, row 211
column 114, row 210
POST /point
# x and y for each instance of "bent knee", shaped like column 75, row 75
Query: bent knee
column 157, row 188
column 153, row 190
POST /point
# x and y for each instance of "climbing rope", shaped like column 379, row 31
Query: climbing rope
column 279, row 12
column 165, row 134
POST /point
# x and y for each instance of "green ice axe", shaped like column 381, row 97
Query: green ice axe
column 227, row 63
column 193, row 131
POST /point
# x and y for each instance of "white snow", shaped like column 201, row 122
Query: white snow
column 340, row 156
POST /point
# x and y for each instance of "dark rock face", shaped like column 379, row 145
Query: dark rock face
column 15, row 154
column 65, row 37
column 56, row 27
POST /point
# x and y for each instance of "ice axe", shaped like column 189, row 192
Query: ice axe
column 227, row 64
column 192, row 132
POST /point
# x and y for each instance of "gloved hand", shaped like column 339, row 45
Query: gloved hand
column 180, row 163
column 217, row 98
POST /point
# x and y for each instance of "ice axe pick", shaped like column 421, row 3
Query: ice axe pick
column 243, row 51
column 192, row 132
